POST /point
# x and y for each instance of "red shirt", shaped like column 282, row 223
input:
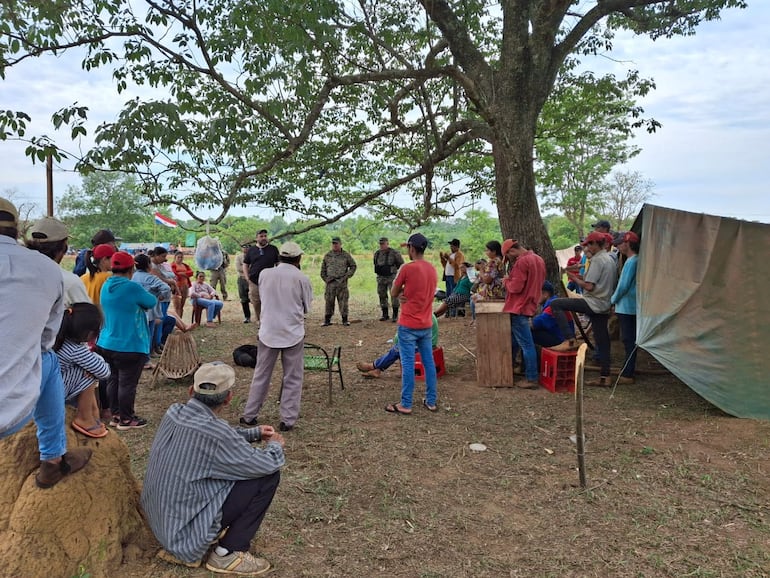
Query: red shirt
column 183, row 274
column 419, row 280
column 524, row 285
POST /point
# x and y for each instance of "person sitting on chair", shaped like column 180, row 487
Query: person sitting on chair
column 545, row 329
column 202, row 294
column 461, row 293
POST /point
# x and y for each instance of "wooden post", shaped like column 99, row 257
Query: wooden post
column 49, row 184
column 494, row 362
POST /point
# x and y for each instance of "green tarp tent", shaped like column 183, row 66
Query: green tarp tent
column 703, row 305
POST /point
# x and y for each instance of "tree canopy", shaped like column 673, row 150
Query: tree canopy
column 327, row 110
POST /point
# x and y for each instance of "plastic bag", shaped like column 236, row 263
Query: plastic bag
column 208, row 253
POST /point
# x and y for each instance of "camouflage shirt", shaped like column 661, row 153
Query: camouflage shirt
column 337, row 266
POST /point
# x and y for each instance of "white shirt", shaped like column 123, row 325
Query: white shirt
column 74, row 289
column 32, row 296
column 449, row 268
column 286, row 296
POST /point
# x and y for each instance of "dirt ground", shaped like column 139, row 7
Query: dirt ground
column 675, row 486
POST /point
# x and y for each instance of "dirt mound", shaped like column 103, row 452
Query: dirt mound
column 89, row 522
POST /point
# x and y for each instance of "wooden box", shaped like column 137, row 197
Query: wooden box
column 494, row 363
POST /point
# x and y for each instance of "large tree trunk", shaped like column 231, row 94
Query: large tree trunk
column 517, row 207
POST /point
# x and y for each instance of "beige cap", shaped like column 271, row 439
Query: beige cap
column 49, row 230
column 213, row 378
column 290, row 249
column 7, row 206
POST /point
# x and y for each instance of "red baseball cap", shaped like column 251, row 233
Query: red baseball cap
column 507, row 244
column 121, row 261
column 102, row 251
column 595, row 237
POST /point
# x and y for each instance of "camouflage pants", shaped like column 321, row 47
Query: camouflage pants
column 256, row 302
column 219, row 276
column 383, row 289
column 337, row 290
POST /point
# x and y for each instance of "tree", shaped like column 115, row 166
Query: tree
column 562, row 232
column 26, row 209
column 583, row 133
column 107, row 201
column 626, row 192
column 328, row 110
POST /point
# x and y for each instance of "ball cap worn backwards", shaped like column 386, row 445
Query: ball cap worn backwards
column 290, row 249
column 49, row 230
column 7, row 206
column 213, row 378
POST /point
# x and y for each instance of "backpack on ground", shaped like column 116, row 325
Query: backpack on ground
column 245, row 355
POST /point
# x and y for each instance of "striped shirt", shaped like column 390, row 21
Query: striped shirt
column 195, row 460
column 80, row 367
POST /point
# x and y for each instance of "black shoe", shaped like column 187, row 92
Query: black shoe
column 158, row 349
column 283, row 427
column 247, row 320
column 248, row 422
column 384, row 318
column 326, row 324
column 346, row 323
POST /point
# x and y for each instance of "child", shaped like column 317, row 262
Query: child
column 80, row 367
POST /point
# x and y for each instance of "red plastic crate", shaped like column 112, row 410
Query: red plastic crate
column 438, row 359
column 557, row 370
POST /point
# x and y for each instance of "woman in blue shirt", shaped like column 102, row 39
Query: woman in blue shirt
column 624, row 300
column 125, row 339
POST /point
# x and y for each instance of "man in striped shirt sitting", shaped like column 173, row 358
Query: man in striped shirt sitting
column 206, row 486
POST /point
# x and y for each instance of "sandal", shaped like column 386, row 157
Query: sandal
column 395, row 408
column 95, row 431
column 433, row 408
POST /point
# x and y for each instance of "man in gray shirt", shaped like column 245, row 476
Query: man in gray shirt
column 31, row 385
column 598, row 285
column 204, row 477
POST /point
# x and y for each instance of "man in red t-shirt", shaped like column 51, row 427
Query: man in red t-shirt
column 522, row 297
column 414, row 287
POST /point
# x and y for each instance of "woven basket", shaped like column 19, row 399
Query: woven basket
column 179, row 358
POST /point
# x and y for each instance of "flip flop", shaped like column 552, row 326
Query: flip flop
column 395, row 408
column 433, row 408
column 95, row 431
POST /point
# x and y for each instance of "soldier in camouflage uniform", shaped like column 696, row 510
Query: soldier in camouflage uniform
column 386, row 264
column 337, row 267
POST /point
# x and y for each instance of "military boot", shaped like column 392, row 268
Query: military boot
column 395, row 315
column 384, row 314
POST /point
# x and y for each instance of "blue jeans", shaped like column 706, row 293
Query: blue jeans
column 157, row 331
column 410, row 340
column 161, row 331
column 384, row 362
column 450, row 284
column 49, row 410
column 521, row 337
column 212, row 307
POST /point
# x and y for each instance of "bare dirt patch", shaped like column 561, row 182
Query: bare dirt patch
column 675, row 486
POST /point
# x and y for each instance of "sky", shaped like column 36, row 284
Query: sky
column 712, row 98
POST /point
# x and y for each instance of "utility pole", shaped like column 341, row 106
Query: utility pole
column 49, row 184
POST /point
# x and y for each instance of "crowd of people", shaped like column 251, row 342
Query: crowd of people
column 510, row 272
column 85, row 339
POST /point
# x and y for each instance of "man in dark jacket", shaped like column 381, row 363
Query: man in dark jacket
column 386, row 263
column 259, row 257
